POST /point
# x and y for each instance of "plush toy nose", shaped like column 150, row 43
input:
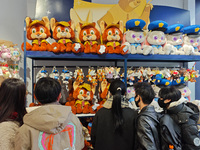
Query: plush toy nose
column 38, row 34
column 114, row 34
column 137, row 39
column 179, row 40
column 196, row 44
column 159, row 40
column 88, row 36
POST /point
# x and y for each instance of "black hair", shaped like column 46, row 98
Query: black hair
column 170, row 92
column 117, row 89
column 12, row 100
column 145, row 90
column 47, row 90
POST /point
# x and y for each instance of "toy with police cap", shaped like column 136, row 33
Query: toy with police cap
column 54, row 74
column 191, row 40
column 175, row 38
column 37, row 31
column 156, row 37
column 42, row 73
column 134, row 37
column 112, row 36
column 63, row 32
column 66, row 76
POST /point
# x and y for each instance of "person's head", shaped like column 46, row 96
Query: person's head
column 117, row 89
column 167, row 95
column 12, row 100
column 47, row 90
column 144, row 93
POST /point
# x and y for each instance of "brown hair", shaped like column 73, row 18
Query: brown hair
column 12, row 100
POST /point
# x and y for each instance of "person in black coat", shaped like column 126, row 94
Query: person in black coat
column 147, row 123
column 113, row 125
column 184, row 114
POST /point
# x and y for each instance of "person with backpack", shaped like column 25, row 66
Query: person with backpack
column 178, row 125
column 51, row 126
column 147, row 124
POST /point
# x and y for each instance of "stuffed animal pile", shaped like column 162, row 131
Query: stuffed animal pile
column 110, row 38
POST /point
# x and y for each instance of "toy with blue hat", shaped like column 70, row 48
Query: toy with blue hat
column 134, row 36
column 42, row 73
column 54, row 74
column 192, row 40
column 174, row 37
column 156, row 37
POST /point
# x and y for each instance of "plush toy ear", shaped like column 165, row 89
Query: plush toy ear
column 52, row 23
column 102, row 26
column 46, row 21
column 121, row 26
column 28, row 21
column 75, row 85
column 71, row 22
column 93, row 87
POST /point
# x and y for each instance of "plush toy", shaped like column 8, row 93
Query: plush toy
column 89, row 35
column 15, row 54
column 112, row 36
column 191, row 40
column 5, row 53
column 175, row 38
column 14, row 70
column 63, row 32
column 4, row 71
column 92, row 76
column 78, row 74
column 42, row 73
column 83, row 95
column 54, row 74
column 37, row 31
column 109, row 72
column 156, row 37
column 134, row 37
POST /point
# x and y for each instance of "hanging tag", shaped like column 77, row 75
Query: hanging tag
column 95, row 106
column 1, row 73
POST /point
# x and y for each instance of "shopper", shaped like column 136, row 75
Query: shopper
column 183, row 115
column 51, row 126
column 113, row 125
column 147, row 124
column 12, row 110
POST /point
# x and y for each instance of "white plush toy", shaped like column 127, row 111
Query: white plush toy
column 134, row 37
column 175, row 38
column 156, row 37
column 191, row 40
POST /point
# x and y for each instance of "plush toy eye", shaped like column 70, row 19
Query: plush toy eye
column 181, row 37
column 155, row 37
column 84, row 33
column 109, row 32
column 66, row 29
column 92, row 32
column 174, row 38
column 88, row 93
column 129, row 91
column 140, row 36
column 41, row 30
column 81, row 92
column 162, row 38
column 133, row 35
column 191, row 41
column 198, row 41
column 116, row 32
column 58, row 30
column 33, row 30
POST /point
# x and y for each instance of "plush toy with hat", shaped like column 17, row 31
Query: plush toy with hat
column 175, row 38
column 134, row 37
column 191, row 40
column 112, row 36
column 156, row 37
column 54, row 74
column 63, row 32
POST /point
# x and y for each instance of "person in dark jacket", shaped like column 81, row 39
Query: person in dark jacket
column 113, row 125
column 184, row 114
column 147, row 124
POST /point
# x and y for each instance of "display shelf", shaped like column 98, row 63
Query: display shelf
column 137, row 57
column 85, row 115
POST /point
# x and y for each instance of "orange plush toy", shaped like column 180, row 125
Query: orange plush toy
column 112, row 36
column 84, row 95
column 63, row 32
column 89, row 35
column 37, row 31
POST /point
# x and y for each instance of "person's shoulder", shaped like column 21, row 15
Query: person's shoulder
column 9, row 126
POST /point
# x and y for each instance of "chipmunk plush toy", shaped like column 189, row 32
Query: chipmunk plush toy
column 112, row 37
column 89, row 35
column 83, row 94
column 37, row 31
column 63, row 32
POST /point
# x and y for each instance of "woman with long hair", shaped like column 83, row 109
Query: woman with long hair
column 12, row 110
column 113, row 125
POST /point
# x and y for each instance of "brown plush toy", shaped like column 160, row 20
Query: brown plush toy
column 83, row 94
column 37, row 31
column 89, row 35
column 112, row 36
column 63, row 32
